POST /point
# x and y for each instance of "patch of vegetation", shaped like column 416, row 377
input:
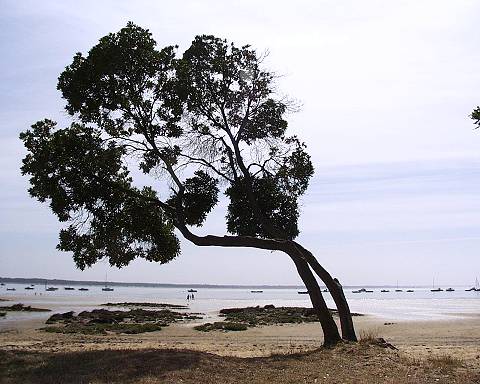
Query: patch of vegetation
column 3, row 314
column 221, row 325
column 102, row 321
column 58, row 317
column 146, row 305
column 444, row 363
column 239, row 319
column 23, row 308
column 270, row 315
column 133, row 315
column 368, row 335
column 103, row 329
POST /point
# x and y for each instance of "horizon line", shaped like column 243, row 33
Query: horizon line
column 39, row 280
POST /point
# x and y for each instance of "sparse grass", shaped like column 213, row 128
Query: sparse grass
column 348, row 364
column 368, row 335
column 221, row 325
column 445, row 363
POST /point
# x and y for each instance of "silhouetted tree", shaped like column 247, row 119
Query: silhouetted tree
column 476, row 117
column 205, row 123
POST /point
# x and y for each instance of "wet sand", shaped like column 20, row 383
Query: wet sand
column 459, row 338
column 443, row 351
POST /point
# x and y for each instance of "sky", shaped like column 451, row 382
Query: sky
column 385, row 90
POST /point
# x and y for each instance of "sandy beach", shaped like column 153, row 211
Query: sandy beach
column 444, row 351
column 418, row 343
column 459, row 338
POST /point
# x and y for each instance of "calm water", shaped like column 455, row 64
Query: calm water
column 418, row 305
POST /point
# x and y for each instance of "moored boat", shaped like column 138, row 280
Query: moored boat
column 362, row 290
column 106, row 288
column 435, row 289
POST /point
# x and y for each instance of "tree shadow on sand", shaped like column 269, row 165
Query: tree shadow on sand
column 121, row 366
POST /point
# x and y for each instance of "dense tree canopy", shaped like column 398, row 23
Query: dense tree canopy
column 199, row 124
column 204, row 122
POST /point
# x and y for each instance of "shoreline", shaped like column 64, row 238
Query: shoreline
column 443, row 351
column 458, row 336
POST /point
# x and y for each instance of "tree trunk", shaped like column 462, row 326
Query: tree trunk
column 328, row 325
column 329, row 328
column 336, row 290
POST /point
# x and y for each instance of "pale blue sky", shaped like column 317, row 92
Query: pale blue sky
column 385, row 87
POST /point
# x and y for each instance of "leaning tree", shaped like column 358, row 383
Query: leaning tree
column 205, row 123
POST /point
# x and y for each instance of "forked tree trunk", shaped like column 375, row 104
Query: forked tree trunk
column 302, row 263
column 298, row 252
column 336, row 291
column 329, row 328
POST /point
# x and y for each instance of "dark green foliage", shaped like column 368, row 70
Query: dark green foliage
column 122, row 74
column 476, row 117
column 276, row 206
column 230, row 98
column 199, row 197
column 211, row 114
column 221, row 326
column 214, row 73
column 86, row 183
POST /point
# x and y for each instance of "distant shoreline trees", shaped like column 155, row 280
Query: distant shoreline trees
column 205, row 123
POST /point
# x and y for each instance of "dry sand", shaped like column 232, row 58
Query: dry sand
column 159, row 357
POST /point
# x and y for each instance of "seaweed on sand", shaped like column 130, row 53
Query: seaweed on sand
column 23, row 308
column 102, row 321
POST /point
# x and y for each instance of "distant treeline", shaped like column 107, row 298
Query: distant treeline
column 36, row 280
